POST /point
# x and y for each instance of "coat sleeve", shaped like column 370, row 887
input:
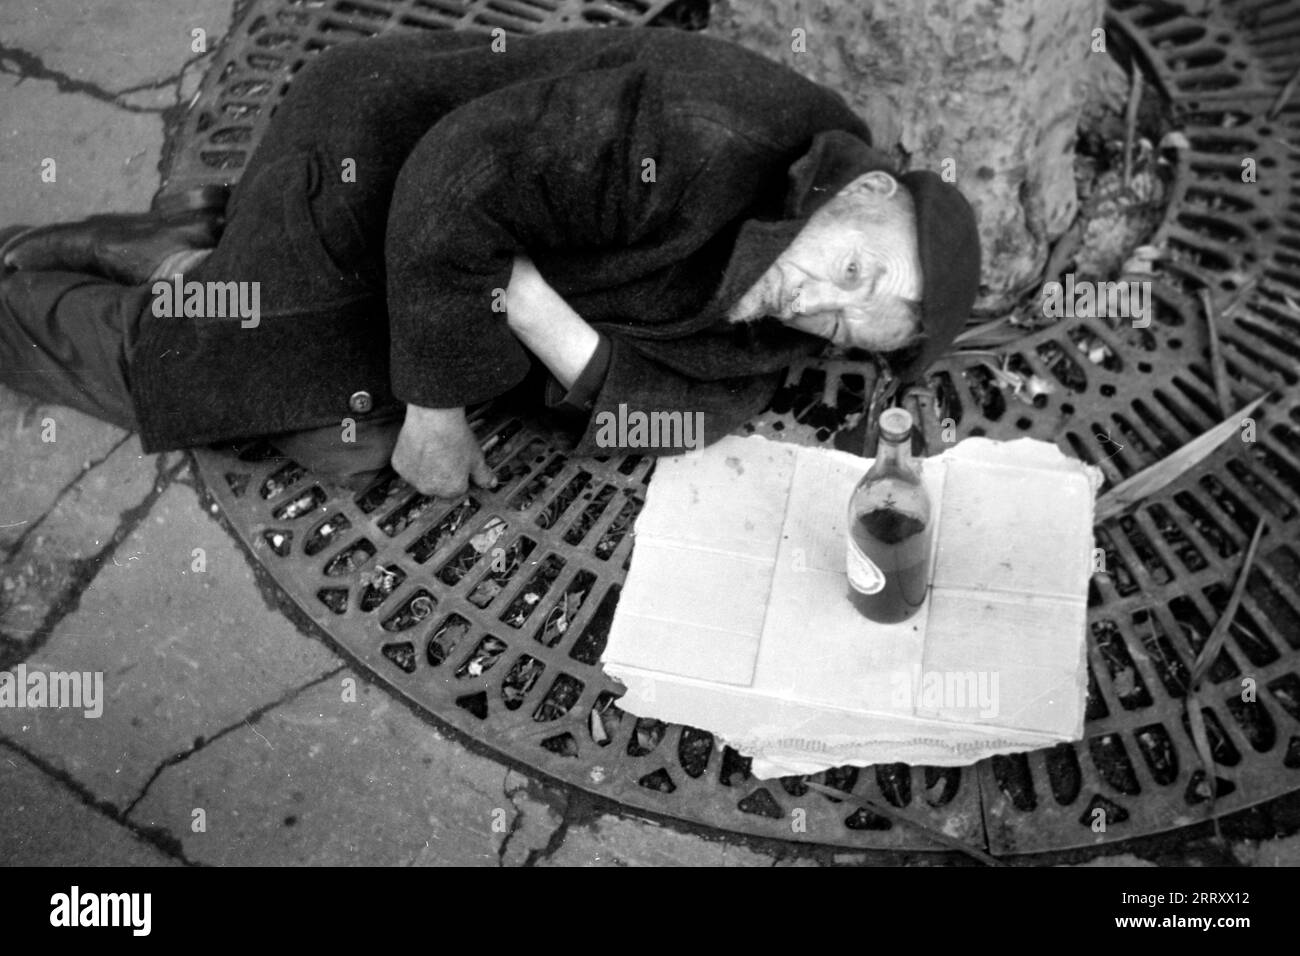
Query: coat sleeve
column 551, row 164
column 667, row 378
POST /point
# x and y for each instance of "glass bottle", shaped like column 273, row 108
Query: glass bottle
column 889, row 528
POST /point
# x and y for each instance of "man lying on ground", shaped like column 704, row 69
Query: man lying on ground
column 649, row 219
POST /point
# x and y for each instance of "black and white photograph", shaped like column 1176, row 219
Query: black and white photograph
column 659, row 434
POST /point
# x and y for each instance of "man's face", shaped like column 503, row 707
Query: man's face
column 850, row 273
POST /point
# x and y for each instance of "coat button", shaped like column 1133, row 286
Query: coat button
column 361, row 402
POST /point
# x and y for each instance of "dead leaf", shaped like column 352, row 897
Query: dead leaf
column 1150, row 480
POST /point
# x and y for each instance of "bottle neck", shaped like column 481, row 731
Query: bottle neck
column 893, row 458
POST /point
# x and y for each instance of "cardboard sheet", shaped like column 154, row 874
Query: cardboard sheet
column 735, row 616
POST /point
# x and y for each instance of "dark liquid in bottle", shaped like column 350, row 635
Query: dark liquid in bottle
column 899, row 545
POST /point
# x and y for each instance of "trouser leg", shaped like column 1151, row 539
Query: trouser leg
column 353, row 459
column 66, row 338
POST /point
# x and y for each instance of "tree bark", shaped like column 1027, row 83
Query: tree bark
column 994, row 86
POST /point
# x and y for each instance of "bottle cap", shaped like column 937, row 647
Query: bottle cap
column 895, row 424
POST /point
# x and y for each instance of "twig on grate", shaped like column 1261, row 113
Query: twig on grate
column 1220, row 633
column 889, row 813
column 1150, row 480
column 1130, row 121
column 1201, row 740
column 1142, row 54
column 982, row 329
column 1284, row 95
column 1217, row 366
column 1204, row 660
column 1212, row 319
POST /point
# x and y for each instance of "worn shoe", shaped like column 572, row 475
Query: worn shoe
column 126, row 247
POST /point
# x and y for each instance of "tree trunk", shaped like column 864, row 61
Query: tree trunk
column 992, row 85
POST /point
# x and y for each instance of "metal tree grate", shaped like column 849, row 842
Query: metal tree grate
column 490, row 613
column 254, row 66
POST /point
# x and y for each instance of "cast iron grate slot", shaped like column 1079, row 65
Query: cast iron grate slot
column 591, row 644
column 604, row 720
column 694, row 747
column 521, row 608
column 1125, row 680
column 323, row 535
column 336, row 599
column 565, row 745
column 646, row 735
column 482, row 543
column 521, row 462
column 403, row 517
column 520, row 680
column 527, row 496
column 895, row 783
column 1206, row 526
column 1255, row 723
column 379, row 584
column 412, row 611
column 1064, row 776
column 483, row 658
column 618, row 528
column 302, row 504
column 445, row 638
column 556, row 507
column 505, row 565
column 1196, row 630
column 590, row 515
column 864, row 819
column 566, row 609
column 1173, row 673
column 1222, row 749
column 279, row 541
column 281, row 481
column 559, row 700
column 735, row 768
column 761, row 803
column 402, row 655
column 382, row 493
column 350, row 559
column 1158, row 752
column 427, row 545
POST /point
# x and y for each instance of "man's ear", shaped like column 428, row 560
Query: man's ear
column 834, row 160
column 876, row 183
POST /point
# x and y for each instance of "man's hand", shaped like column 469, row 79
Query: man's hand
column 438, row 454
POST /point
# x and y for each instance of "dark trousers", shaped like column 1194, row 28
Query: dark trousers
column 294, row 226
column 69, row 339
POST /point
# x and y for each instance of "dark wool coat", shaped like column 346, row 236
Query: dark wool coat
column 646, row 172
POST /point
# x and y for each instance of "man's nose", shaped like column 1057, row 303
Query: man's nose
column 818, row 297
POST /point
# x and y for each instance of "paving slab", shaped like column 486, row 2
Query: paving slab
column 622, row 841
column 33, row 471
column 44, row 570
column 186, row 645
column 105, row 158
column 45, row 824
column 113, row 44
column 343, row 775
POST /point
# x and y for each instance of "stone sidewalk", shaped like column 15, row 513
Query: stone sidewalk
column 227, row 736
